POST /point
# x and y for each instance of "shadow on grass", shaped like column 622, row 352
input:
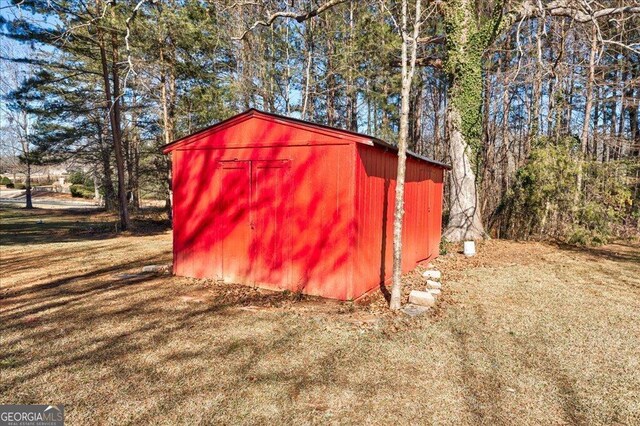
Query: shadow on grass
column 549, row 366
column 19, row 226
column 629, row 252
column 81, row 304
column 104, row 319
column 482, row 387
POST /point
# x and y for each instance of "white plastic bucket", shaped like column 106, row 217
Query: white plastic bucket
column 469, row 248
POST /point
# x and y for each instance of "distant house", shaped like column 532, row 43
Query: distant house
column 280, row 203
column 40, row 175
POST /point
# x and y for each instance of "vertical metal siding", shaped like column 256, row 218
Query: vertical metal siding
column 375, row 204
column 279, row 206
column 266, row 204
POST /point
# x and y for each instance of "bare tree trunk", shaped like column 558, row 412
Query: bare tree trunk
column 245, row 77
column 134, row 159
column 584, row 137
column 438, row 150
column 570, row 84
column 490, row 153
column 352, row 93
column 168, row 93
column 122, row 190
column 307, row 73
column 408, row 68
column 536, row 91
column 28, row 186
column 113, row 103
column 307, row 83
column 416, row 112
column 558, row 93
column 505, row 158
column 105, row 156
column 596, row 128
column 96, row 186
column 27, row 158
column 331, row 89
column 128, row 148
column 634, row 119
column 465, row 221
column 287, row 93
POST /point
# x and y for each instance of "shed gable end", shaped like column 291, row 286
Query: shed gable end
column 255, row 129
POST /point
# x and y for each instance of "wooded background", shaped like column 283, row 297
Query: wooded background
column 544, row 95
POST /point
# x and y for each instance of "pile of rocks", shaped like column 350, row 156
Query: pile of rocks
column 421, row 301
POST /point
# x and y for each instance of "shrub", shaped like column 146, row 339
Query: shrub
column 444, row 249
column 5, row 180
column 81, row 178
column 81, row 191
column 544, row 200
column 542, row 196
column 10, row 185
column 585, row 237
column 19, row 186
column 76, row 178
column 606, row 203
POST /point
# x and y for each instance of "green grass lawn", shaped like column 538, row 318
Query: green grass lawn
column 525, row 333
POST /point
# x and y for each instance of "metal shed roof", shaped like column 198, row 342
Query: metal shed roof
column 255, row 112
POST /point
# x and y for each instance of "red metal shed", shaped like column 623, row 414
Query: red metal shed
column 281, row 203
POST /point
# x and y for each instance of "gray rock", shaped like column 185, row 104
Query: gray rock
column 422, row 298
column 432, row 274
column 158, row 269
column 433, row 284
column 414, row 310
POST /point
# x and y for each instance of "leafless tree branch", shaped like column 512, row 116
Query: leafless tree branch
column 298, row 16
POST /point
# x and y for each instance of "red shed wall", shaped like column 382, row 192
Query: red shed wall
column 376, row 172
column 256, row 203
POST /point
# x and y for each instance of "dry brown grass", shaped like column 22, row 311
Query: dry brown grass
column 527, row 333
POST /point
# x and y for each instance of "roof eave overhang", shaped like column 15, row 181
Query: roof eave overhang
column 236, row 119
column 338, row 133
